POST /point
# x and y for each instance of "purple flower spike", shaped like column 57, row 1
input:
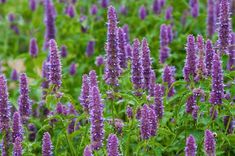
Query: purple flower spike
column 104, row 3
column 146, row 63
column 123, row 9
column 73, row 69
column 229, row 124
column 126, row 33
column 70, row 11
column 96, row 118
column 71, row 126
column 33, row 5
column 158, row 101
column 33, row 48
column 142, row 12
column 84, row 96
column 217, row 86
column 17, row 149
column 129, row 112
column 195, row 112
column 99, row 61
column 190, row 62
column 14, row 75
column 112, row 146
column 209, row 143
column 136, row 68
column 24, row 101
column 59, row 108
column 17, row 130
column 144, row 122
column 49, row 22
column 64, row 51
column 93, row 9
column 112, row 68
column 121, row 49
column 128, row 50
column 168, row 14
column 93, row 79
column 47, row 145
column 191, row 147
column 191, row 102
column 231, row 60
column 152, row 122
column 156, row 7
column 211, row 18
column 55, row 66
column 87, row 151
column 194, row 4
column 152, row 83
column 168, row 77
column 90, row 48
column 164, row 40
column 170, row 33
column 32, row 132
column 209, row 56
column 224, row 29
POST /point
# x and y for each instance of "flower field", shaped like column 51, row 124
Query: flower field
column 117, row 77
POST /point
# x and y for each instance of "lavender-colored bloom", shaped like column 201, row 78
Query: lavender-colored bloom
column 17, row 130
column 33, row 4
column 144, row 122
column 170, row 34
column 112, row 146
column 209, row 143
column 70, row 11
column 93, row 79
column 164, row 40
column 93, row 9
column 47, row 145
column 158, row 101
column 126, row 33
column 191, row 102
column 142, row 12
column 168, row 14
column 123, row 9
column 96, row 118
column 71, row 126
column 228, row 124
column 136, row 67
column 138, row 114
column 55, row 66
column 146, row 64
column 112, row 68
column 191, row 147
column 195, row 112
column 190, row 62
column 73, row 69
column 3, row 1
column 11, row 17
column 156, row 7
column 152, row 122
column 231, row 54
column 14, row 75
column 217, row 86
column 17, row 149
column 49, row 22
column 224, row 29
column 152, row 83
column 211, row 18
column 209, row 56
column 104, row 3
column 32, row 132
column 59, row 108
column 168, row 77
column 24, row 101
column 162, row 2
column 128, row 50
column 64, row 51
column 99, row 61
column 121, row 49
column 129, row 112
column 45, row 75
column 194, row 5
column 87, row 151
column 164, row 54
column 33, row 48
column 198, row 92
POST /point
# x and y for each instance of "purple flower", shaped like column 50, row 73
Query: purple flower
column 162, row 3
column 209, row 143
column 164, row 40
column 99, row 61
column 17, row 149
column 93, row 9
column 191, row 147
column 129, row 112
column 70, row 11
column 87, row 151
column 123, row 9
column 152, row 83
column 11, row 17
column 93, row 79
column 190, row 62
column 96, row 118
column 112, row 146
column 211, row 18
column 231, row 54
column 59, row 108
column 136, row 68
column 71, row 126
column 217, row 86
column 112, row 68
column 128, row 50
column 224, row 29
column 14, row 75
column 152, row 122
column 49, row 22
column 55, row 66
column 126, row 33
column 17, row 130
column 170, row 34
column 191, row 102
column 33, row 5
column 209, row 56
column 45, row 75
column 158, row 101
column 142, row 12
column 104, row 3
column 156, row 7
column 73, row 69
column 24, row 101
column 47, row 145
column 228, row 124
column 33, row 48
column 144, row 122
column 168, row 14
column 194, row 5
column 168, row 77
column 32, row 132
column 63, row 52
column 121, row 48
column 90, row 48
column 195, row 112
